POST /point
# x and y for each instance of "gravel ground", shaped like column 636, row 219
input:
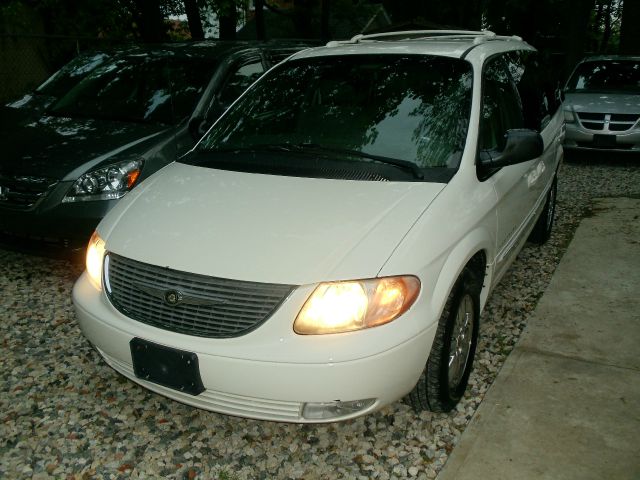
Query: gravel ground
column 66, row 414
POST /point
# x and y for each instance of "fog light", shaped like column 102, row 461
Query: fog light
column 329, row 410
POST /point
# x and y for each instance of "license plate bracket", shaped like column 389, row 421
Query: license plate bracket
column 605, row 141
column 169, row 367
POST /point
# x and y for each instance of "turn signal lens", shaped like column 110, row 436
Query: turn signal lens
column 338, row 307
column 95, row 256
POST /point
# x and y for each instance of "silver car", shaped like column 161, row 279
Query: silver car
column 602, row 104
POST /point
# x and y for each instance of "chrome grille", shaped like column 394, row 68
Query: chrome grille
column 612, row 122
column 188, row 303
column 23, row 191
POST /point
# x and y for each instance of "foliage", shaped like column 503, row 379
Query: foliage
column 544, row 23
column 98, row 18
column 606, row 19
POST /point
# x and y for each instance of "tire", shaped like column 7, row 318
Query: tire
column 542, row 229
column 442, row 384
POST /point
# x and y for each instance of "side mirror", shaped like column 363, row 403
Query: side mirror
column 522, row 145
column 198, row 126
column 561, row 94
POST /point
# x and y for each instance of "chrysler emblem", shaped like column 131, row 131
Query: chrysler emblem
column 172, row 297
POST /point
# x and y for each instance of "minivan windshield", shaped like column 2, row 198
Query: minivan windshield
column 407, row 113
column 137, row 88
column 606, row 76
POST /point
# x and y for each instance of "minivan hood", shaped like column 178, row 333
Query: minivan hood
column 264, row 228
column 603, row 102
column 56, row 146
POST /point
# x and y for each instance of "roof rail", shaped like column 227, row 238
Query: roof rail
column 476, row 35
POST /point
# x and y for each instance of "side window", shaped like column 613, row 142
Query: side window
column 239, row 80
column 533, row 80
column 188, row 80
column 501, row 106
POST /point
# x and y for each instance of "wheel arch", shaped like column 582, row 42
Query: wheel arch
column 473, row 252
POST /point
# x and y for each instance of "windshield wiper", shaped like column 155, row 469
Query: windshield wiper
column 314, row 147
column 276, row 147
column 403, row 164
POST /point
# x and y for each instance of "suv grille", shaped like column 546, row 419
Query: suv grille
column 22, row 191
column 615, row 122
column 188, row 303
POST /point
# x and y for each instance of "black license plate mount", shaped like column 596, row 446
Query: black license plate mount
column 604, row 141
column 169, row 367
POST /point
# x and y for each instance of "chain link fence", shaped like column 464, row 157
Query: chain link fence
column 27, row 60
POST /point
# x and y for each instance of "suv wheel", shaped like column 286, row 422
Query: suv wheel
column 446, row 374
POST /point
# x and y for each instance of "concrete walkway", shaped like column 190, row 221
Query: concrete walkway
column 566, row 404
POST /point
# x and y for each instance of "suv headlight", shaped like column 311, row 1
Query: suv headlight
column 338, row 307
column 108, row 183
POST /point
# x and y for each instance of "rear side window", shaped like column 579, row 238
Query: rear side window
column 538, row 94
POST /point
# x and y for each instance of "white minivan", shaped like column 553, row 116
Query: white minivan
column 328, row 246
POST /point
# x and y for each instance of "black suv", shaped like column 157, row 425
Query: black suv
column 106, row 121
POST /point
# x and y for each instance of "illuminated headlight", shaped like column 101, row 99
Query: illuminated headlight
column 337, row 307
column 569, row 116
column 108, row 183
column 95, row 256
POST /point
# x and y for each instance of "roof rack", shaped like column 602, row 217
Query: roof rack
column 477, row 36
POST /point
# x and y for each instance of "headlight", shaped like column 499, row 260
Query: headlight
column 346, row 306
column 568, row 116
column 95, row 257
column 108, row 183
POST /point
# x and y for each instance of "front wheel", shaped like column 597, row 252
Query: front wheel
column 542, row 229
column 448, row 367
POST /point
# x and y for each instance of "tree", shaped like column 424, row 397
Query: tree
column 302, row 14
column 150, row 20
column 629, row 31
column 261, row 33
column 193, row 18
column 228, row 18
column 577, row 15
column 457, row 14
column 325, row 13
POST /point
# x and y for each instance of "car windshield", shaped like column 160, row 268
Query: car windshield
column 608, row 76
column 137, row 89
column 69, row 75
column 410, row 113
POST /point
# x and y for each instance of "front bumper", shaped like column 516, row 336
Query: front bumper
column 52, row 226
column 579, row 138
column 244, row 381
